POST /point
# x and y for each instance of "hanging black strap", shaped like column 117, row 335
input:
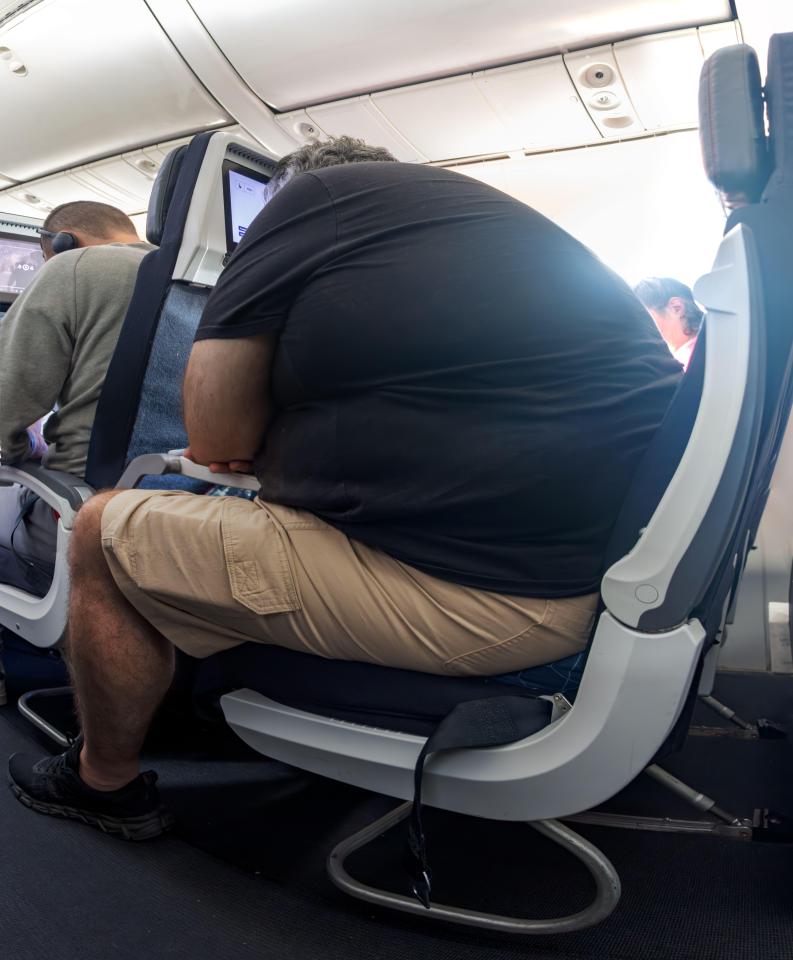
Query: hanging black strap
column 476, row 723
column 27, row 501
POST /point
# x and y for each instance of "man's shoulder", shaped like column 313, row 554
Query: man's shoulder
column 402, row 182
column 111, row 252
column 378, row 171
column 112, row 261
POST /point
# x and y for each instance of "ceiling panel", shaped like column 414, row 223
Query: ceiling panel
column 44, row 195
column 360, row 117
column 297, row 52
column 98, row 77
column 447, row 118
column 538, row 103
column 662, row 74
column 128, row 179
column 9, row 204
column 717, row 36
column 124, row 182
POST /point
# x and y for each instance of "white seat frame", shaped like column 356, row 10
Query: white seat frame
column 633, row 688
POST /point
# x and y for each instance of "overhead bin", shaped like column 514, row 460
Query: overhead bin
column 98, row 78
column 309, row 51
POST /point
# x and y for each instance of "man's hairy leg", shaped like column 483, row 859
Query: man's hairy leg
column 121, row 667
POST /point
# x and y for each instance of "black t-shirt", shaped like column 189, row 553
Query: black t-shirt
column 457, row 382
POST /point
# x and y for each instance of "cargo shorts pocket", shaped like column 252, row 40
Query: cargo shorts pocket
column 256, row 550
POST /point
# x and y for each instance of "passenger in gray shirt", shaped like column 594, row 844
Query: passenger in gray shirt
column 56, row 343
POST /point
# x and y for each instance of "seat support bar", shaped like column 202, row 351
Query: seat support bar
column 24, row 707
column 704, row 828
column 607, row 882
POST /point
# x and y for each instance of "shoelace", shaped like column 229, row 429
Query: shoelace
column 54, row 765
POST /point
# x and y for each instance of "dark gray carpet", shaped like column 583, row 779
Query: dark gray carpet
column 245, row 875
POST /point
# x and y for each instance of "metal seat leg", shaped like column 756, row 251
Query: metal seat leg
column 607, row 882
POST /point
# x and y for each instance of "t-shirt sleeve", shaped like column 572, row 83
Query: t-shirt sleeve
column 292, row 237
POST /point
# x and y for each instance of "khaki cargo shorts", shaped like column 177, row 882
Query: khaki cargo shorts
column 212, row 572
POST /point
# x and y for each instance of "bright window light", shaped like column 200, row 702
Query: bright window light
column 644, row 206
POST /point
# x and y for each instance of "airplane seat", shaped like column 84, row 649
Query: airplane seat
column 42, row 620
column 760, row 176
column 675, row 557
column 139, row 409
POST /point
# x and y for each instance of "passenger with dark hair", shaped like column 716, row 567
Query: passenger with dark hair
column 671, row 305
column 444, row 398
column 56, row 342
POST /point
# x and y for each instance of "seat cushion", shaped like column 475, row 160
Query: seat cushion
column 360, row 692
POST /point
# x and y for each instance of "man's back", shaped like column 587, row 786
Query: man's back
column 56, row 343
column 458, row 382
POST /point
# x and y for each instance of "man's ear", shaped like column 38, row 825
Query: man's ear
column 677, row 306
column 83, row 239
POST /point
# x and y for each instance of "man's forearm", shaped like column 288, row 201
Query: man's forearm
column 226, row 399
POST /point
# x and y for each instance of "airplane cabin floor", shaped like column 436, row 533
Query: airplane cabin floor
column 243, row 875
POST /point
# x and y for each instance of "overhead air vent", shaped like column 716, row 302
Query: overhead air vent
column 147, row 166
column 15, row 66
column 599, row 83
column 235, row 150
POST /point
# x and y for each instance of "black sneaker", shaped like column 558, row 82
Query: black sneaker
column 53, row 786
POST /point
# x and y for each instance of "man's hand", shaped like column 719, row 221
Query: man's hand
column 233, row 466
column 38, row 445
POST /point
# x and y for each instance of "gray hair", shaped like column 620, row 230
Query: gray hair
column 328, row 153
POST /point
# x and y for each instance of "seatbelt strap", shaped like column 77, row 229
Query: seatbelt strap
column 28, row 501
column 490, row 722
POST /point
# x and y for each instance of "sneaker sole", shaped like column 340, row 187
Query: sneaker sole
column 146, row 827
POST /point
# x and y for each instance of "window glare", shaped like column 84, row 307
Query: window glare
column 644, row 207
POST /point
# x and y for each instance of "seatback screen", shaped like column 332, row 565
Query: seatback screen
column 244, row 194
column 20, row 261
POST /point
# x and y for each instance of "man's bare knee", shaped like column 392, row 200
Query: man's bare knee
column 86, row 539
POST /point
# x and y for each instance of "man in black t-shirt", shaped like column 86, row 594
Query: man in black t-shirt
column 444, row 397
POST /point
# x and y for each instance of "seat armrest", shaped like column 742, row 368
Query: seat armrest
column 61, row 491
column 157, row 464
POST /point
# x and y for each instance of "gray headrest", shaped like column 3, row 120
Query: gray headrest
column 162, row 194
column 779, row 93
column 731, row 123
